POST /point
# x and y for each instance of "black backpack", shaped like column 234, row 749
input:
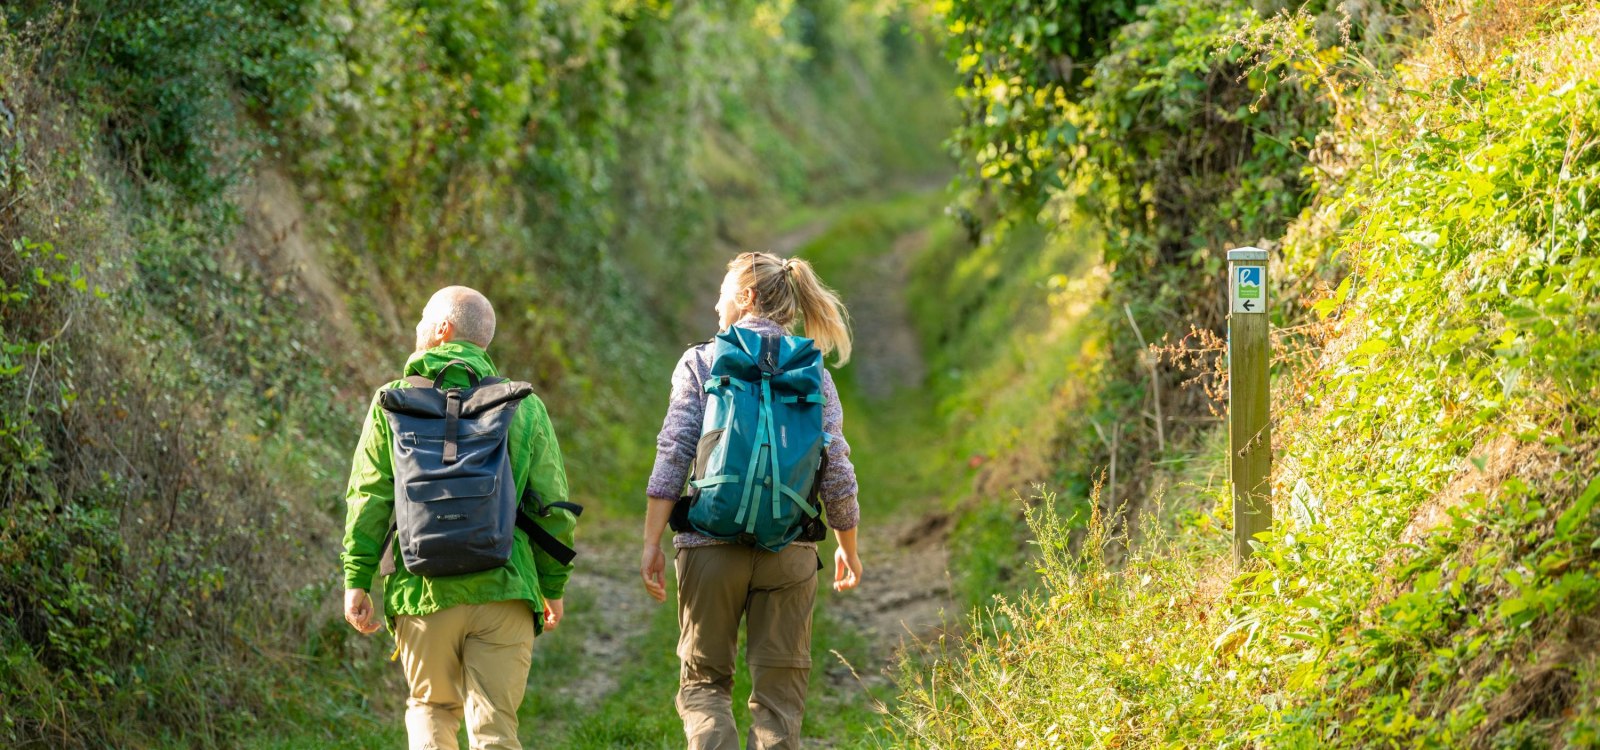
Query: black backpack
column 455, row 501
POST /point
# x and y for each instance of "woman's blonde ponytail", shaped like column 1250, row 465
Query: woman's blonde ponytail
column 787, row 290
column 826, row 320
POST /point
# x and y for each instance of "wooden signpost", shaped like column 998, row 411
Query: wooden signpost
column 1249, row 408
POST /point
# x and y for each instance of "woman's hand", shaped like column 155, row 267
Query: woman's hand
column 846, row 569
column 652, row 566
column 652, row 563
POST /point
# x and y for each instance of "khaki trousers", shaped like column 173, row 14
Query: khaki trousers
column 773, row 592
column 470, row 659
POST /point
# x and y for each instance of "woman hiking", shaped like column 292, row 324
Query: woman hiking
column 768, row 464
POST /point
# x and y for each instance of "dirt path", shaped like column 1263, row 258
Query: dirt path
column 790, row 242
column 905, row 596
column 889, row 355
column 906, row 592
column 616, row 613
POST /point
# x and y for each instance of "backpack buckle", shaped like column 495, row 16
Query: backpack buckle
column 767, row 362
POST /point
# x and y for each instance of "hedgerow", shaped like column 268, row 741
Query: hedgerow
column 216, row 224
column 1188, row 129
column 1430, row 577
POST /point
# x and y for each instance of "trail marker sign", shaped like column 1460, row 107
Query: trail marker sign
column 1249, row 405
column 1249, row 288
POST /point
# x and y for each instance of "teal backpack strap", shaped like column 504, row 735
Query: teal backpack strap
column 745, row 516
column 768, row 364
column 723, row 381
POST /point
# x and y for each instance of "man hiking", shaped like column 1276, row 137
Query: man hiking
column 456, row 471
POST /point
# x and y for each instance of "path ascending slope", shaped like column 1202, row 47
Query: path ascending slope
column 613, row 666
column 906, row 593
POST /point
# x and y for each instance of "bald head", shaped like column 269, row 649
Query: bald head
column 456, row 313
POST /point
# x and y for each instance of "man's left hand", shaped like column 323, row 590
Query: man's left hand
column 553, row 610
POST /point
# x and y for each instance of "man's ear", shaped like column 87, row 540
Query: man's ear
column 444, row 331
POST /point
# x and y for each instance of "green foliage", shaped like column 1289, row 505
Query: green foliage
column 1184, row 151
column 163, row 78
column 1500, row 368
column 1095, row 659
column 218, row 221
column 1164, row 129
column 1013, row 349
column 1436, row 585
column 1191, row 134
column 1022, row 65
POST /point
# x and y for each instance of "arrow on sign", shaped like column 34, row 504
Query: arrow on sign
column 1249, row 305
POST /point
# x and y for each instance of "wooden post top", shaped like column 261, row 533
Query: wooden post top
column 1246, row 254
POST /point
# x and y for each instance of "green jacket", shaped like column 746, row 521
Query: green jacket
column 533, row 575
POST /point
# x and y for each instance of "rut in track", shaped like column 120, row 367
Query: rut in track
column 906, row 591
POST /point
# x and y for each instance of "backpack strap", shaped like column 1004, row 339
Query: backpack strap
column 473, row 380
column 452, row 424
column 422, row 381
column 546, row 541
column 536, row 533
column 386, row 560
column 452, row 402
column 542, row 508
column 767, row 358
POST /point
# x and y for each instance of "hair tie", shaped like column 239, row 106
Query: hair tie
column 788, row 278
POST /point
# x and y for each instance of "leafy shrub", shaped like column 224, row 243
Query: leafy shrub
column 1191, row 133
column 1022, row 66
column 162, row 77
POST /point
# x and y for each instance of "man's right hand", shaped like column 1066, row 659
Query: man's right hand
column 358, row 611
column 652, row 568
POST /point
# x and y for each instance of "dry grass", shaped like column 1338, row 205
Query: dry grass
column 1469, row 34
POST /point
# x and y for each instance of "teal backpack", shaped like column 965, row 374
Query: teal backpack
column 762, row 449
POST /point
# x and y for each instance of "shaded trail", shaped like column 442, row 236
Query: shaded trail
column 616, row 612
column 892, row 358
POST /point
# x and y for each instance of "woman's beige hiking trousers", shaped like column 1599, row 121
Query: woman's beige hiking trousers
column 472, row 660
column 773, row 592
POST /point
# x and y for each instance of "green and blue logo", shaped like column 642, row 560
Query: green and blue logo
column 1249, row 282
